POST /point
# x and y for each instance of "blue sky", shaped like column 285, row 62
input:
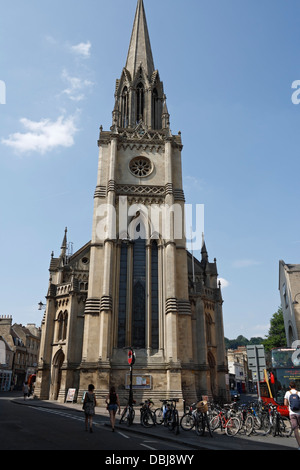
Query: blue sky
column 228, row 68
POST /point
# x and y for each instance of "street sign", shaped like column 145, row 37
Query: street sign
column 131, row 357
column 257, row 362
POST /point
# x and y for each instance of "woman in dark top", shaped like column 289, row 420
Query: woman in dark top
column 113, row 403
column 89, row 405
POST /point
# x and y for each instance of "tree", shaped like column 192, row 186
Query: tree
column 276, row 337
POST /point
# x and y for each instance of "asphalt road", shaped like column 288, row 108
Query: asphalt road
column 35, row 428
column 35, row 425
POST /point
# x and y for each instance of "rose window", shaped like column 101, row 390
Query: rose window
column 140, row 166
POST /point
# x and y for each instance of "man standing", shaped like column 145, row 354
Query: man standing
column 292, row 400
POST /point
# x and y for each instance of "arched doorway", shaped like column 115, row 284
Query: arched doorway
column 58, row 361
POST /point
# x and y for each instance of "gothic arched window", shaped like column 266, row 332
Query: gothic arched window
column 154, row 295
column 125, row 108
column 60, row 326
column 140, row 102
column 139, row 294
column 155, row 109
column 65, row 325
column 122, row 297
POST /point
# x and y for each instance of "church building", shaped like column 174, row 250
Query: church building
column 135, row 285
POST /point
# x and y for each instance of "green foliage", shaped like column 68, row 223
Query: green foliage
column 241, row 341
column 276, row 337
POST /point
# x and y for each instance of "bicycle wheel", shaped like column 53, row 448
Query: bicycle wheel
column 215, row 423
column 257, row 422
column 284, row 426
column 122, row 419
column 249, row 425
column 207, row 423
column 266, row 424
column 187, row 422
column 159, row 416
column 130, row 417
column 172, row 420
column 200, row 425
column 232, row 427
column 148, row 419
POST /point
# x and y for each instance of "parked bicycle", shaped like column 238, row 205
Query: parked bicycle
column 128, row 414
column 225, row 421
column 202, row 421
column 246, row 419
column 147, row 416
column 277, row 424
column 188, row 420
column 168, row 415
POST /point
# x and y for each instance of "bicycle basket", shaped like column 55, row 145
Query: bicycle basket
column 202, row 406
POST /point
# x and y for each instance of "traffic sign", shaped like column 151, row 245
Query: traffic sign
column 131, row 357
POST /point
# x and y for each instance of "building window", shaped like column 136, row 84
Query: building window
column 208, row 324
column 62, row 325
column 125, row 108
column 140, row 102
column 140, row 167
column 138, row 293
column 154, row 295
column 155, row 109
column 122, row 296
column 138, row 307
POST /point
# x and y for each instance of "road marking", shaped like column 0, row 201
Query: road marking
column 124, row 435
column 148, row 447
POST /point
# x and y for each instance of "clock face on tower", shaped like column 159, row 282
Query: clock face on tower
column 141, row 167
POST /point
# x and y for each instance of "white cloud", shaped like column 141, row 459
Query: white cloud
column 245, row 263
column 76, row 88
column 43, row 136
column 261, row 330
column 224, row 282
column 82, row 49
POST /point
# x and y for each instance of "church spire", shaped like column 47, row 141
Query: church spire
column 139, row 95
column 140, row 52
column 64, row 245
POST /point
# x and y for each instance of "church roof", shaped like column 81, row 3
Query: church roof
column 140, row 52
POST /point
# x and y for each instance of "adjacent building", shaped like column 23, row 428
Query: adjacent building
column 20, row 349
column 289, row 288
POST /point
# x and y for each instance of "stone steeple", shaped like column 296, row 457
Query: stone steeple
column 140, row 52
column 139, row 95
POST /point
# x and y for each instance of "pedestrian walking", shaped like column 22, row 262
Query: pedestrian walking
column 25, row 390
column 292, row 400
column 89, row 405
column 113, row 403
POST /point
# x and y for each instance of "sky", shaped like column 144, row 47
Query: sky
column 228, row 68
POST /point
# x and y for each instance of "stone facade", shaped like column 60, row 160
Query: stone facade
column 134, row 284
column 289, row 288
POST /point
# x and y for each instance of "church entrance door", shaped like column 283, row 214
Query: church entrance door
column 56, row 374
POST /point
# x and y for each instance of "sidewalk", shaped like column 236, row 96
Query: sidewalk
column 185, row 438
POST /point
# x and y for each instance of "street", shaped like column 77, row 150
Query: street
column 26, row 427
column 38, row 425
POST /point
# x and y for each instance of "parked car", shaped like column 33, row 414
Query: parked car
column 235, row 396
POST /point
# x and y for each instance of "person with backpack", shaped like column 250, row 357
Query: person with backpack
column 292, row 400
